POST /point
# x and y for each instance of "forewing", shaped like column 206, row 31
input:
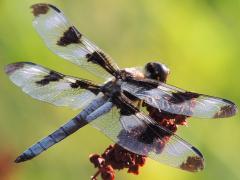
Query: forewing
column 178, row 101
column 50, row 86
column 66, row 41
column 139, row 134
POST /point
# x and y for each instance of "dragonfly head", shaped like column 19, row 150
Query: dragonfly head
column 157, row 71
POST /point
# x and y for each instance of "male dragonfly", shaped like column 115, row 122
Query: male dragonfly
column 122, row 95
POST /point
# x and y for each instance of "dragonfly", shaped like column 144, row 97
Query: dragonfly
column 113, row 107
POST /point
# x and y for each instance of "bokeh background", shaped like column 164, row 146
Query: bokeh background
column 199, row 42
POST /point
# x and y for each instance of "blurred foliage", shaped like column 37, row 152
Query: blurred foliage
column 198, row 40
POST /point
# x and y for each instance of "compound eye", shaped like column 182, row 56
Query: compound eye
column 156, row 71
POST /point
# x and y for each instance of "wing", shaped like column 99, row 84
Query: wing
column 139, row 134
column 178, row 101
column 66, row 41
column 50, row 86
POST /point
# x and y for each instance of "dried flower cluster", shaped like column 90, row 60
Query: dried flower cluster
column 116, row 158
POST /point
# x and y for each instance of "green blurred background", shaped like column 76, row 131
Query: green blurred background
column 198, row 40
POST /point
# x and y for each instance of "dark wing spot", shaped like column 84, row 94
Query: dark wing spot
column 180, row 97
column 40, row 8
column 75, row 85
column 71, row 36
column 152, row 133
column 193, row 164
column 86, row 85
column 55, row 8
column 80, row 84
column 97, row 58
column 226, row 111
column 11, row 68
column 147, row 135
column 53, row 76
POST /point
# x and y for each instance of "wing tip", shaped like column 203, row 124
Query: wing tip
column 39, row 8
column 11, row 68
column 235, row 109
column 193, row 163
column 228, row 110
column 42, row 8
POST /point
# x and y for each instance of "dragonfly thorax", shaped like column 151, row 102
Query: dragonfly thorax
column 112, row 88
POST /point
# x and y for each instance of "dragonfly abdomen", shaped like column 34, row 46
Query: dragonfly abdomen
column 64, row 131
column 58, row 135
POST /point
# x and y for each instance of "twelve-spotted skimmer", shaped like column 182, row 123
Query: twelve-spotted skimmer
column 123, row 93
